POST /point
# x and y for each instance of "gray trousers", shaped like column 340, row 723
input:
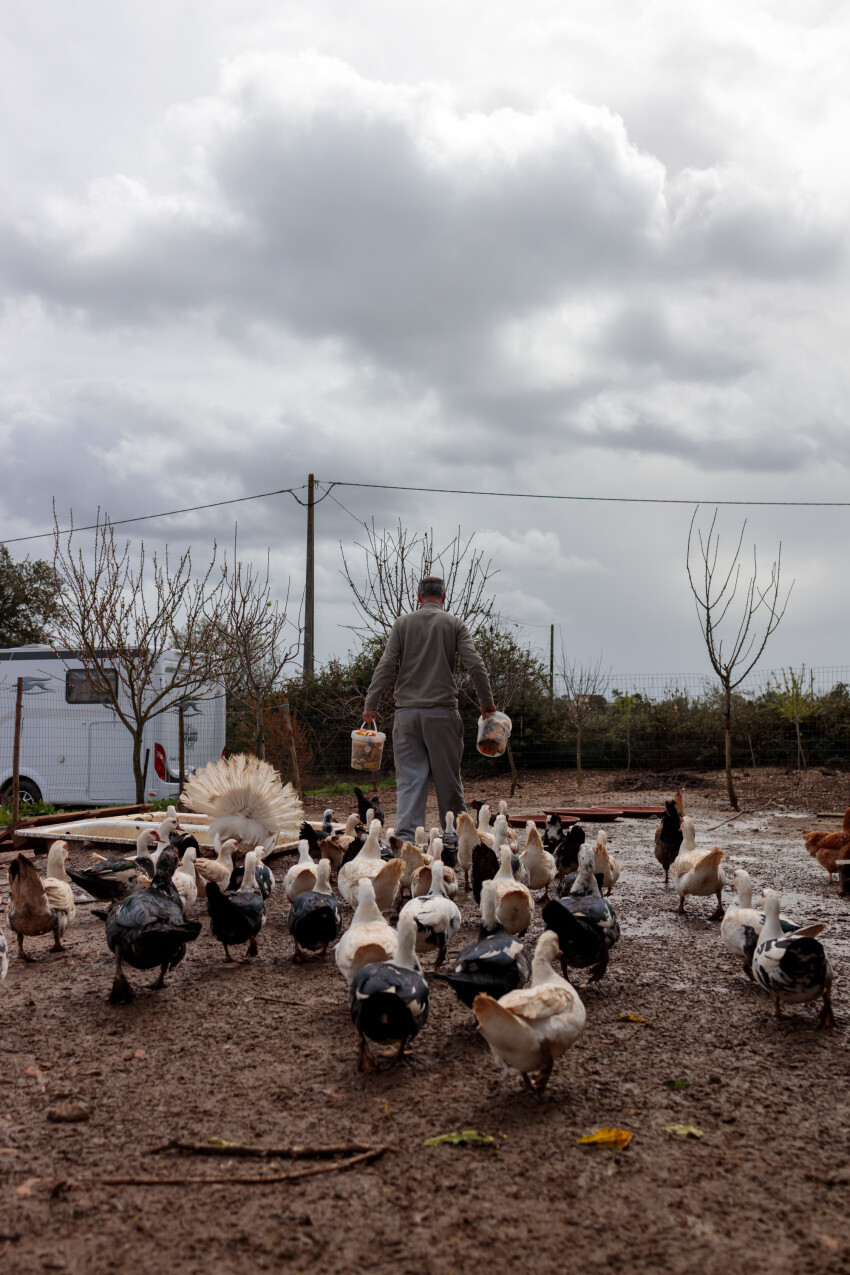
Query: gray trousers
column 427, row 744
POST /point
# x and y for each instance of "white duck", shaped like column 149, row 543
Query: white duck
column 688, row 835
column 368, row 938
column 792, row 967
column 301, row 877
column 539, row 863
column 515, row 906
column 184, row 880
column 384, row 875
column 529, row 1028
column 700, row 872
column 437, row 918
column 421, row 879
column 4, row 950
column 742, row 923
column 219, row 869
column 605, row 863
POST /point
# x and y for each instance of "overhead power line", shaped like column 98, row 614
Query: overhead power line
column 444, row 491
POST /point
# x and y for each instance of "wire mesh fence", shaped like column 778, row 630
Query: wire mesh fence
column 74, row 750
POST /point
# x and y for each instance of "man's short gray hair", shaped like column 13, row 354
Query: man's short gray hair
column 432, row 587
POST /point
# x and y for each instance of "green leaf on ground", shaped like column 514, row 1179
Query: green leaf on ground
column 683, row 1130
column 466, row 1137
column 679, row 1082
column 222, row 1142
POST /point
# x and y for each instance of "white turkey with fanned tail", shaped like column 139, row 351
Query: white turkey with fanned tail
column 246, row 800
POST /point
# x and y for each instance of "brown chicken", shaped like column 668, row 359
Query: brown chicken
column 829, row 847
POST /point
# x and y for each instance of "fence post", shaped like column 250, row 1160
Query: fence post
column 181, row 765
column 16, row 756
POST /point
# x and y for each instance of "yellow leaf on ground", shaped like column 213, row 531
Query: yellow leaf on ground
column 630, row 1018
column 683, row 1130
column 607, row 1137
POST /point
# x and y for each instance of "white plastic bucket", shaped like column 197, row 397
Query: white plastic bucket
column 494, row 732
column 367, row 748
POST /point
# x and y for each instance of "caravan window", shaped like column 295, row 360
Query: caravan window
column 82, row 687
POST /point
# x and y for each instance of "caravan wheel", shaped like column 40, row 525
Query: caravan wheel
column 30, row 793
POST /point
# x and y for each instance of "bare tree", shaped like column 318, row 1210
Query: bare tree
column 394, row 564
column 714, row 592
column 583, row 686
column 120, row 611
column 796, row 701
column 257, row 639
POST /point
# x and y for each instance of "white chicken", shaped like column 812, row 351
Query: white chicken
column 184, row 880
column 604, row 863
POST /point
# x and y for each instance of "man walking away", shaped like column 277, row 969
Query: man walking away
column 428, row 732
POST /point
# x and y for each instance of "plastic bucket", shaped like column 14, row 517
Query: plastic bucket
column 367, row 748
column 493, row 734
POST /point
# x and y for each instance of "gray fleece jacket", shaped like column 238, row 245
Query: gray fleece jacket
column 424, row 645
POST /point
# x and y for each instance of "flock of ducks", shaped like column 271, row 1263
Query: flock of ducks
column 402, row 895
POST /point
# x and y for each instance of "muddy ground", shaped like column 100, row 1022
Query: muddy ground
column 263, row 1053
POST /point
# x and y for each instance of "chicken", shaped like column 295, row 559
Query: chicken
column 528, row 1029
column 368, row 937
column 467, row 840
column 365, row 804
column 247, row 800
column 539, row 863
column 829, row 847
column 148, row 929
column 605, row 864
column 40, row 906
column 668, row 837
column 700, row 872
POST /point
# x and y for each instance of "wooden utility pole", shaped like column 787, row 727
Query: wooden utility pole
column 16, row 756
column 181, row 766
column 309, row 595
column 293, row 750
column 551, row 662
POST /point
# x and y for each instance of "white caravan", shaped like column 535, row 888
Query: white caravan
column 74, row 748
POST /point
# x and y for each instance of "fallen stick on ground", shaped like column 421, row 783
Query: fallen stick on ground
column 262, row 1153
column 229, row 1179
column 282, row 1000
column 725, row 821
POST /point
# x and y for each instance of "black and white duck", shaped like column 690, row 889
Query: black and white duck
column 742, row 923
column 238, row 917
column 792, row 967
column 148, row 929
column 388, row 1000
column 437, row 918
column 496, row 962
column 315, row 918
column 585, row 923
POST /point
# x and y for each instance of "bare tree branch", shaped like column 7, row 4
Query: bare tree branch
column 733, row 661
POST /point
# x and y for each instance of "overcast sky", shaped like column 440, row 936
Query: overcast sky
column 583, row 247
